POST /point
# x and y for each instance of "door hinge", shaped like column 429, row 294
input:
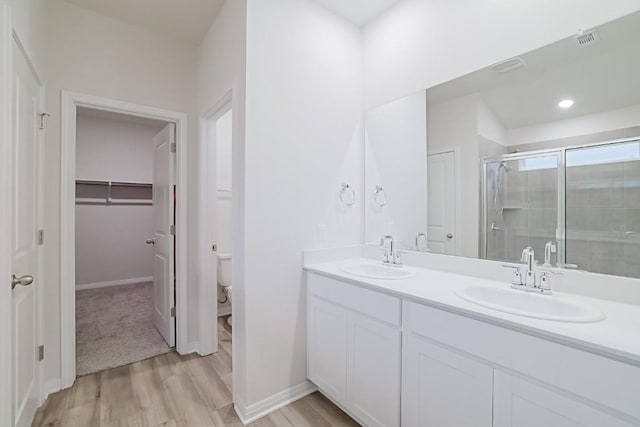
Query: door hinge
column 172, row 230
column 40, row 353
column 42, row 116
column 173, row 312
column 174, row 148
column 40, row 237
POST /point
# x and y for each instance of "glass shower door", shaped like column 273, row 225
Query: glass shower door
column 603, row 208
column 521, row 202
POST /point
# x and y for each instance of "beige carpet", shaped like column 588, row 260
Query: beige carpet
column 114, row 327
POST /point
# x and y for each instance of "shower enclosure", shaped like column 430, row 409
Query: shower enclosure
column 585, row 199
column 522, row 205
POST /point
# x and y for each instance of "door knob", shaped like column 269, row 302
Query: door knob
column 22, row 280
column 151, row 241
column 449, row 236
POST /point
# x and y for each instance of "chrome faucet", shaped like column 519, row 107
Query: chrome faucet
column 528, row 257
column 391, row 255
column 549, row 248
column 528, row 283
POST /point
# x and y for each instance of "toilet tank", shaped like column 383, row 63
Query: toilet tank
column 224, row 269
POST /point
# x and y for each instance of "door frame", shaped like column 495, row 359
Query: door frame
column 209, row 281
column 70, row 101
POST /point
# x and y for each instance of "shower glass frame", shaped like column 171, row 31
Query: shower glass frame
column 560, row 187
column 561, row 153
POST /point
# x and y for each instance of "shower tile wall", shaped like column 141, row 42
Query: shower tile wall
column 603, row 218
column 529, row 213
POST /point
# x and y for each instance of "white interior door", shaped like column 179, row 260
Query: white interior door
column 441, row 183
column 164, row 236
column 26, row 204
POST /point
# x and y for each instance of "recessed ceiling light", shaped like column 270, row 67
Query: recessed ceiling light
column 566, row 103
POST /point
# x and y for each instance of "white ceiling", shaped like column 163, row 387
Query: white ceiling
column 360, row 12
column 186, row 20
column 599, row 77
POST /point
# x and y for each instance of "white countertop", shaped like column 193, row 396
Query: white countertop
column 617, row 336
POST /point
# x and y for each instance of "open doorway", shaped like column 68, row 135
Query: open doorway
column 113, row 180
column 221, row 141
column 217, row 223
column 124, row 258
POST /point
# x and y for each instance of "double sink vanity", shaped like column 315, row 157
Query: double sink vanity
column 417, row 347
column 542, row 152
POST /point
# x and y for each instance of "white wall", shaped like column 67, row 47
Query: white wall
column 90, row 53
column 396, row 159
column 304, row 114
column 421, row 43
column 110, row 239
column 28, row 22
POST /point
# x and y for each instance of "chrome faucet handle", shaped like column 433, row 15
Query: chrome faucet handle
column 545, row 283
column 397, row 258
column 516, row 280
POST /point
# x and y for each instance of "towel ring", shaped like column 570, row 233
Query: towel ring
column 344, row 190
column 380, row 196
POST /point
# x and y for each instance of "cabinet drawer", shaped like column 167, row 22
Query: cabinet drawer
column 374, row 304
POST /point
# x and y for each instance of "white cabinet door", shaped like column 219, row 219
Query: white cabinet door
column 374, row 371
column 443, row 388
column 327, row 348
column 520, row 403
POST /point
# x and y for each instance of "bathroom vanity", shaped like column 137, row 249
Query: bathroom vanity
column 410, row 351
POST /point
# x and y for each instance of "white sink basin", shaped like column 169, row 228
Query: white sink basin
column 560, row 308
column 377, row 271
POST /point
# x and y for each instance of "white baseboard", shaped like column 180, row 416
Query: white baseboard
column 271, row 404
column 50, row 387
column 122, row 282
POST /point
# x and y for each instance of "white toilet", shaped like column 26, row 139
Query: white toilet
column 224, row 276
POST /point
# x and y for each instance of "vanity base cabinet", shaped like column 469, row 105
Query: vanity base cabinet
column 443, row 388
column 391, row 362
column 521, row 403
column 354, row 349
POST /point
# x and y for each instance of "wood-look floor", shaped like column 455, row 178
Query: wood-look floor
column 173, row 390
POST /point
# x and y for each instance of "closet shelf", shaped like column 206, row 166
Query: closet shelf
column 98, row 192
column 114, row 183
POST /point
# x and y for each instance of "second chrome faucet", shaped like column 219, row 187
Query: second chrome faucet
column 529, row 282
column 391, row 255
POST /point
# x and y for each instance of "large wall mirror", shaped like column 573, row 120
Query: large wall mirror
column 541, row 150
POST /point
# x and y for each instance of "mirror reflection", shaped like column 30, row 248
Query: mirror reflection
column 541, row 150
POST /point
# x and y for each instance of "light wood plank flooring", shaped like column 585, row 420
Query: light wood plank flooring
column 173, row 390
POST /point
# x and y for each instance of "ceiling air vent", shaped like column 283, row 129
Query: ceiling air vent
column 509, row 65
column 586, row 38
